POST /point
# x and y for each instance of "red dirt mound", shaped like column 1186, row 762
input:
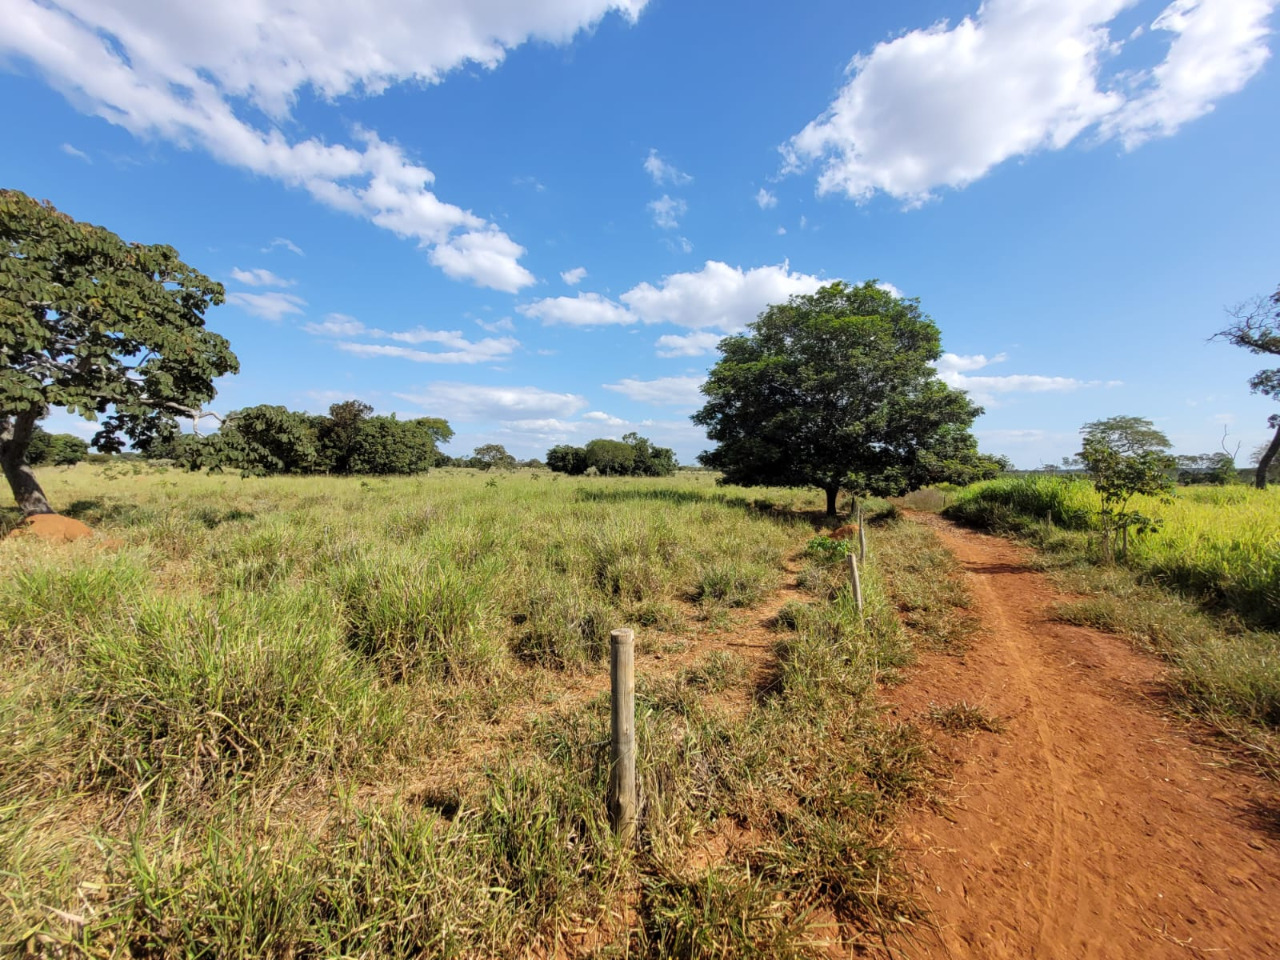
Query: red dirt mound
column 51, row 527
column 848, row 532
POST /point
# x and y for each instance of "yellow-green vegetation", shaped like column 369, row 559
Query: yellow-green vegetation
column 1220, row 544
column 313, row 716
column 1203, row 590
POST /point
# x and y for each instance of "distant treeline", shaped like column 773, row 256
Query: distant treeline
column 270, row 439
column 632, row 456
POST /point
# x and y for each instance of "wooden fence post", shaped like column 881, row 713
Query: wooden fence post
column 857, row 580
column 622, row 770
column 862, row 537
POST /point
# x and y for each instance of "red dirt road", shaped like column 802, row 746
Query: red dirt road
column 1092, row 826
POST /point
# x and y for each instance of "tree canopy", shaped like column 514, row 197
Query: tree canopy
column 98, row 326
column 1256, row 327
column 837, row 389
column 632, row 456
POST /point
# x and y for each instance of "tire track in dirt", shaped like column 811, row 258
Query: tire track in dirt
column 1092, row 825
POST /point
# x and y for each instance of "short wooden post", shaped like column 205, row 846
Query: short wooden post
column 622, row 771
column 857, row 581
column 862, row 537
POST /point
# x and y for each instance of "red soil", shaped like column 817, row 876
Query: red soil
column 51, row 527
column 1093, row 825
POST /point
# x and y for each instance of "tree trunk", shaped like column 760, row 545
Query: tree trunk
column 832, row 492
column 1264, row 462
column 15, row 437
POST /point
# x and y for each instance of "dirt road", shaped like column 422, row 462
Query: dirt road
column 1092, row 825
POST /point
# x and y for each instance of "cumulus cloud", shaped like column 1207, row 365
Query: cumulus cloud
column 667, row 211
column 196, row 75
column 584, row 310
column 954, row 370
column 717, row 297
column 666, row 391
column 575, row 276
column 259, row 278
column 664, row 172
column 687, row 345
column 765, row 199
column 272, row 306
column 942, row 106
column 469, row 402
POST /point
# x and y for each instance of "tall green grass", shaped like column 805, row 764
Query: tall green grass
column 323, row 717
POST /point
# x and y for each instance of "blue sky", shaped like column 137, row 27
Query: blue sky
column 537, row 219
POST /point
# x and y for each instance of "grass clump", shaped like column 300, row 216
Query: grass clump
column 964, row 717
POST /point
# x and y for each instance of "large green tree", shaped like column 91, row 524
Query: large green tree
column 1256, row 327
column 98, row 326
column 837, row 389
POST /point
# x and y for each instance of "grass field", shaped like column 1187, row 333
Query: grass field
column 1203, row 591
column 331, row 717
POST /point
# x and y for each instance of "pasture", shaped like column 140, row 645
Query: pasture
column 330, row 717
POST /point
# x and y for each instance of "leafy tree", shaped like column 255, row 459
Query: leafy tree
column 836, row 389
column 94, row 324
column 611, row 458
column 263, row 439
column 493, row 456
column 59, row 449
column 385, row 445
column 337, row 434
column 1126, row 435
column 650, row 461
column 566, row 458
column 1257, row 329
column 1125, row 457
column 66, row 449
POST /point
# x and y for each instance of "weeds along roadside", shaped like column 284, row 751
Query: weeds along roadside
column 1203, row 592
column 250, row 732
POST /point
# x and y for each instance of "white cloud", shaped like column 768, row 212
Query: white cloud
column 667, row 391
column 944, row 105
column 687, row 345
column 272, row 306
column 718, row 296
column 575, row 276
column 782, row 231
column 488, row 257
column 954, row 370
column 468, row 403
column 463, row 350
column 664, row 172
column 667, row 211
column 599, row 416
column 195, row 75
column 338, row 325
column 286, row 243
column 765, row 199
column 888, row 287
column 584, row 310
column 458, row 348
column 71, row 151
column 258, row 277
column 680, row 245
